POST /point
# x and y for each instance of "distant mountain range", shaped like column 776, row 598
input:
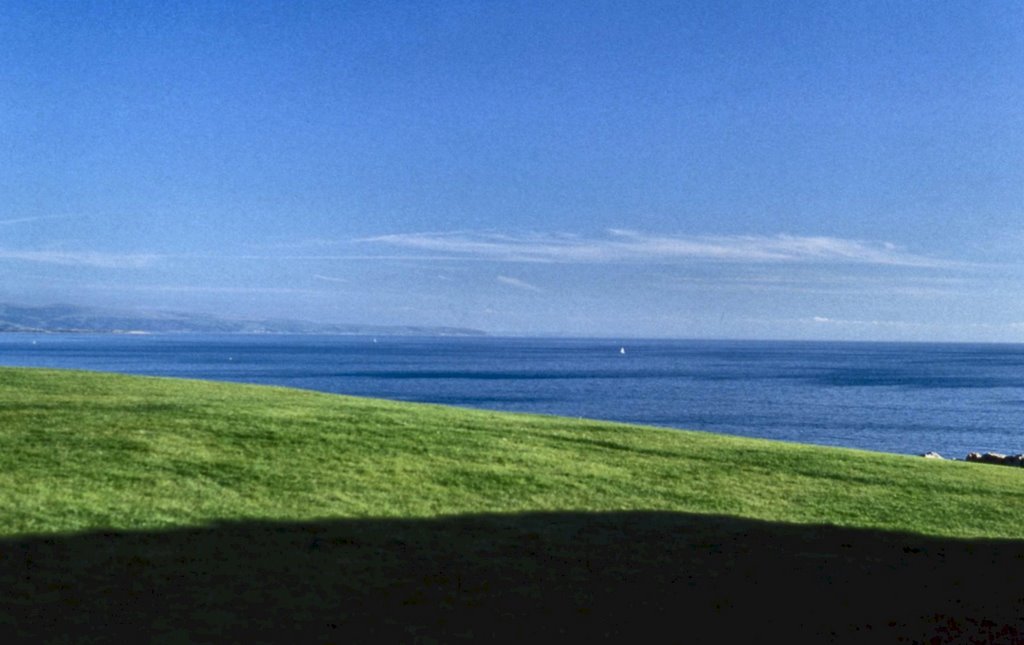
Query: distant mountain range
column 72, row 319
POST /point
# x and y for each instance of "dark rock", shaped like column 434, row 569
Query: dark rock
column 996, row 458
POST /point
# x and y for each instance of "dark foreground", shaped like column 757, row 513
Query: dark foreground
column 546, row 577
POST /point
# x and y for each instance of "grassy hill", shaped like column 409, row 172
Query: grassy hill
column 182, row 510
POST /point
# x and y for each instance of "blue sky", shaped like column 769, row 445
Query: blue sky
column 847, row 170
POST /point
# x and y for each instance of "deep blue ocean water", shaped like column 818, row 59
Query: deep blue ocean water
column 902, row 398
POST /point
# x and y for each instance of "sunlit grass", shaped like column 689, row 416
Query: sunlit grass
column 81, row 451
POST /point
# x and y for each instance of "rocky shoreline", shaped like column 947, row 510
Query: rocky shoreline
column 985, row 458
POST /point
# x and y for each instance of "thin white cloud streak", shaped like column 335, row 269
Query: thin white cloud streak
column 519, row 284
column 915, row 287
column 327, row 278
column 82, row 258
column 905, row 324
column 330, row 258
column 169, row 288
column 631, row 246
column 37, row 218
column 308, row 243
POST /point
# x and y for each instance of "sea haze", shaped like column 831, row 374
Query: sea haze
column 901, row 398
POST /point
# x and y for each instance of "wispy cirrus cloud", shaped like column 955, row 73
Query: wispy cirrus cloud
column 899, row 324
column 832, row 282
column 518, row 284
column 289, row 244
column 199, row 289
column 328, row 278
column 81, row 258
column 36, row 218
column 620, row 245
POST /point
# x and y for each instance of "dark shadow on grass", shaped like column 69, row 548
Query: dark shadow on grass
column 551, row 576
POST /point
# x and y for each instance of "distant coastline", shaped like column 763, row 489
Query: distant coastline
column 71, row 319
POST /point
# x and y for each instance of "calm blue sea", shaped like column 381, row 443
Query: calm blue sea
column 902, row 398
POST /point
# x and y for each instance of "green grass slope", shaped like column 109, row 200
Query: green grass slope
column 164, row 509
column 80, row 451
